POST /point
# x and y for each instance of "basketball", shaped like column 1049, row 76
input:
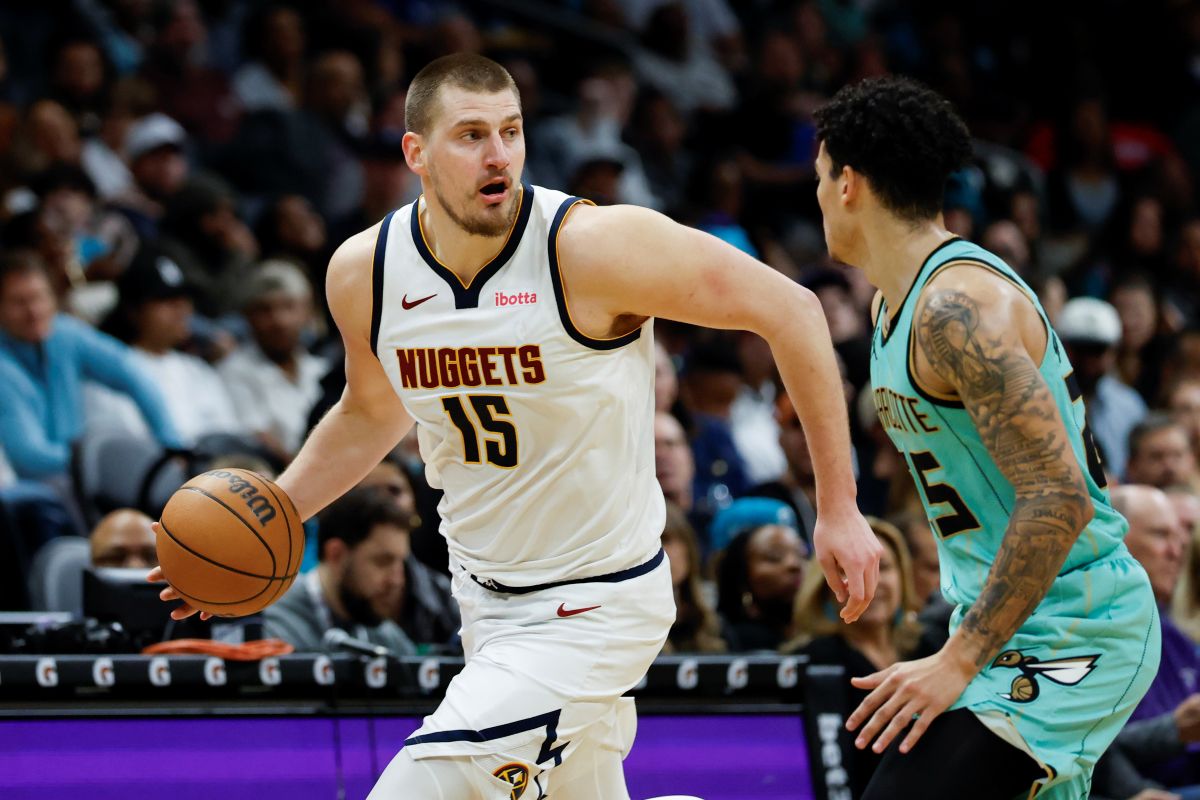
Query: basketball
column 230, row 542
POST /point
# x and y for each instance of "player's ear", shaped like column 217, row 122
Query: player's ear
column 414, row 152
column 849, row 186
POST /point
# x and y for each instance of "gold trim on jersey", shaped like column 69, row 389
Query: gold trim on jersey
column 489, row 260
column 563, row 281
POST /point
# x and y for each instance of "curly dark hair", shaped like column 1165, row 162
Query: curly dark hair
column 903, row 136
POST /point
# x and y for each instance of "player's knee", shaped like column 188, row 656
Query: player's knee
column 439, row 778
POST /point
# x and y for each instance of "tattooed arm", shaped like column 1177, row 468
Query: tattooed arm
column 989, row 359
column 984, row 358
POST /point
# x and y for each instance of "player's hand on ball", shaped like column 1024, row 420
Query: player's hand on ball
column 848, row 552
column 913, row 692
column 167, row 595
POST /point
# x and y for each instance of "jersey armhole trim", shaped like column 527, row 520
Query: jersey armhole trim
column 377, row 262
column 560, row 295
column 947, row 401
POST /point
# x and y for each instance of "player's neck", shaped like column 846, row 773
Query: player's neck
column 892, row 252
column 462, row 253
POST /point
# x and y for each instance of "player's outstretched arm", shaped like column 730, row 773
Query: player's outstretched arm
column 622, row 264
column 985, row 356
column 362, row 427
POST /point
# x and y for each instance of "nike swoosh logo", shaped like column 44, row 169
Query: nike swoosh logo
column 563, row 612
column 407, row 305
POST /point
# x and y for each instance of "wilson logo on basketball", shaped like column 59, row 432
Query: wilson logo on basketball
column 259, row 504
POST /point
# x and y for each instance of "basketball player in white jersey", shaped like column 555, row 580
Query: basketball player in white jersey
column 512, row 323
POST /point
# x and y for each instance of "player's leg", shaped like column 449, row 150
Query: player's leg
column 444, row 778
column 957, row 757
column 593, row 768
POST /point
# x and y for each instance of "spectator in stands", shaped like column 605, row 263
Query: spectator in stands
column 679, row 64
column 591, row 135
column 154, row 316
column 758, row 576
column 1085, row 190
column 130, row 99
column 1160, row 453
column 708, row 387
column 388, row 184
column 1183, row 279
column 748, row 513
column 336, row 98
column 1004, row 238
column 1183, row 402
column 48, row 135
column 363, row 544
column 847, row 323
column 675, row 468
column 204, row 236
column 44, row 359
column 291, row 229
column 274, row 381
column 154, row 149
column 426, row 610
column 1144, row 334
column 1185, row 608
column 1157, row 742
column 886, row 633
column 273, row 76
column 658, row 131
column 100, row 242
column 189, row 90
column 666, row 381
column 80, row 78
column 752, row 416
column 922, row 548
column 1091, row 329
column 697, row 628
column 124, row 538
column 798, row 485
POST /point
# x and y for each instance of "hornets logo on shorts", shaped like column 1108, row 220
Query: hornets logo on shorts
column 517, row 775
column 1063, row 671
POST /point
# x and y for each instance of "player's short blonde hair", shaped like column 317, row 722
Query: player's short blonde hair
column 464, row 70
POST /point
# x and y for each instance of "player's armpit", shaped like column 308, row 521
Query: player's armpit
column 981, row 355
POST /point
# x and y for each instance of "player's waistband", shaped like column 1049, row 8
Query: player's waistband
column 611, row 577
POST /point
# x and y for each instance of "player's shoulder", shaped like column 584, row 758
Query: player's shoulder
column 348, row 281
column 980, row 285
column 592, row 232
column 970, row 266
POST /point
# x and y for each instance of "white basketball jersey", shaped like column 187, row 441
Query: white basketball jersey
column 541, row 437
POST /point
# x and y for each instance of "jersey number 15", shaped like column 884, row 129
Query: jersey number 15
column 499, row 437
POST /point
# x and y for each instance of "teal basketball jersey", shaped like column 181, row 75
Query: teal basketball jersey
column 967, row 498
column 1062, row 687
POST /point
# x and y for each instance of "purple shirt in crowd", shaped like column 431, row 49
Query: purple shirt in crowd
column 1176, row 680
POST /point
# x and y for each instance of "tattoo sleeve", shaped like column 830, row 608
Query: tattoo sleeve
column 1018, row 421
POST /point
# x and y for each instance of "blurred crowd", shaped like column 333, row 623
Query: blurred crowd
column 174, row 175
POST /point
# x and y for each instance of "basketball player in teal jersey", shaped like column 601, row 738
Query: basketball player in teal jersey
column 1054, row 638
